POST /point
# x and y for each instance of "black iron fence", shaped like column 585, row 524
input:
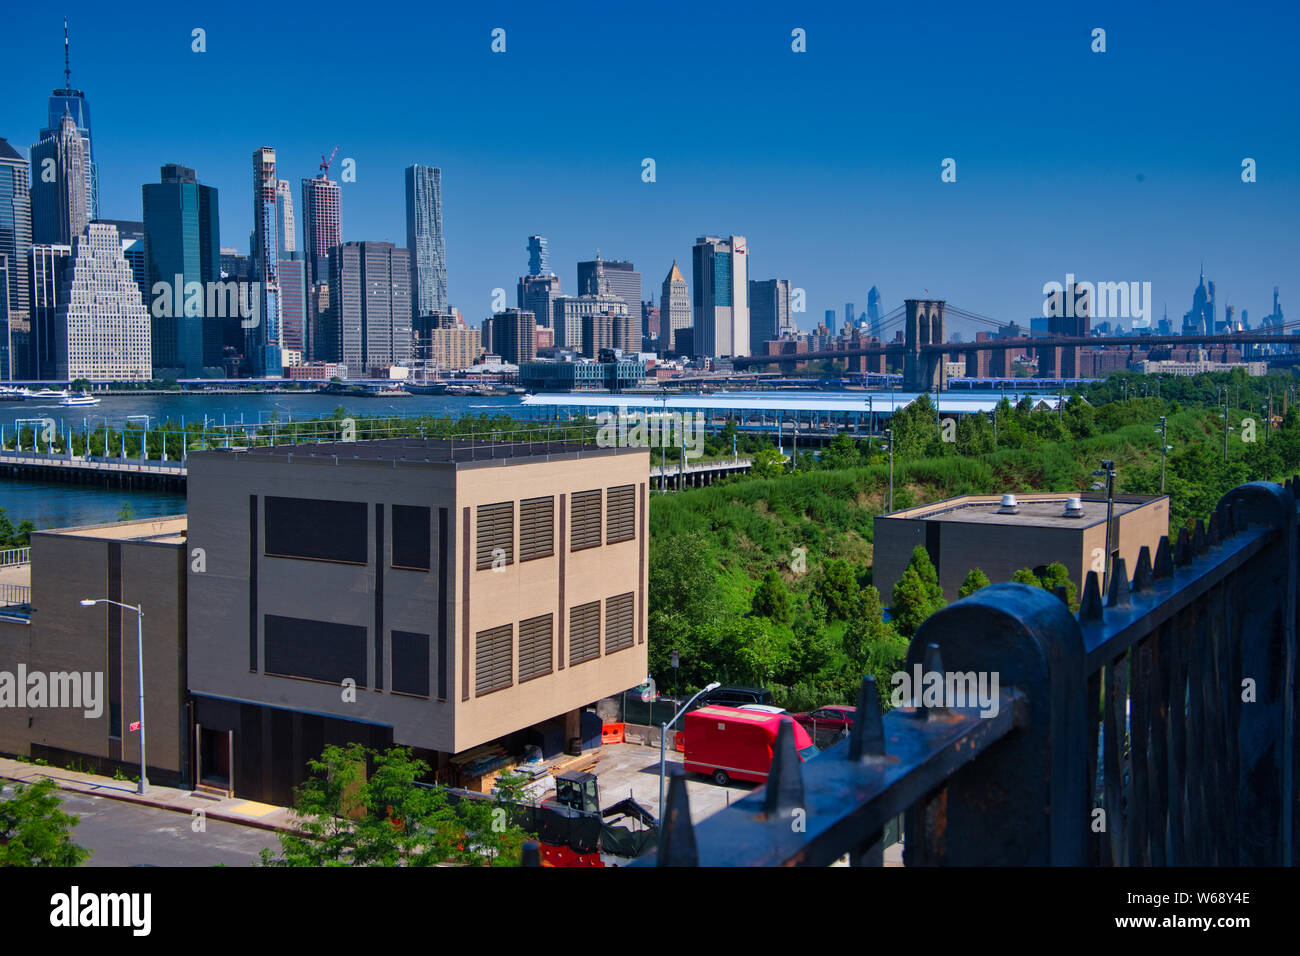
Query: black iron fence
column 1157, row 727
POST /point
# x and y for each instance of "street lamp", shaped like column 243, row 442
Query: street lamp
column 1108, row 472
column 143, row 785
column 663, row 737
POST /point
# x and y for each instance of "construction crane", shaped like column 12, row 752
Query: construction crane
column 325, row 163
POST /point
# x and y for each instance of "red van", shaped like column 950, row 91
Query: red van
column 731, row 744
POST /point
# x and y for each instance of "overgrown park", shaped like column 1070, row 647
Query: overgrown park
column 766, row 579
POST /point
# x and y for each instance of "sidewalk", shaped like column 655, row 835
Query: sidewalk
column 247, row 813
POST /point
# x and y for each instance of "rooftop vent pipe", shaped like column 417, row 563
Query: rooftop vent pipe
column 1009, row 506
column 1073, row 508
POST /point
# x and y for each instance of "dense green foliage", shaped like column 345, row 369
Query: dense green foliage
column 34, row 830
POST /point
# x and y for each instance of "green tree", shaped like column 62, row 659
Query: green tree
column 837, row 586
column 1028, row 577
column 767, row 463
column 975, row 579
column 1057, row 575
column 917, row 593
column 772, row 599
column 842, row 453
column 34, row 830
column 126, row 512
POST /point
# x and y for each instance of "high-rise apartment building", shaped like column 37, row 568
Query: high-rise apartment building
column 604, row 330
column 424, row 239
column 453, row 347
column 570, row 311
column 721, row 303
column 674, row 309
column 537, row 294
column 539, row 256
column 15, row 241
column 769, row 311
column 65, row 179
column 101, row 327
column 322, row 230
column 182, row 248
column 264, row 339
column 513, row 336
column 45, row 265
column 620, row 279
column 370, row 299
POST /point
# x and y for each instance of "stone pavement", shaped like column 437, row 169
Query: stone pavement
column 228, row 809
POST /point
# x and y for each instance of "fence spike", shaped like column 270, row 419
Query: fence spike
column 783, row 792
column 1164, row 566
column 1227, row 523
column 1200, row 543
column 1090, row 608
column 531, row 855
column 1183, row 549
column 676, row 833
column 867, row 735
column 1062, row 592
column 1119, row 588
column 1143, row 579
column 1214, row 531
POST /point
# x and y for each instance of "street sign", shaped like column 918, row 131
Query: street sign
column 135, row 725
column 674, row 660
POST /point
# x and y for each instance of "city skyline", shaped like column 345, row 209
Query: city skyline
column 1127, row 183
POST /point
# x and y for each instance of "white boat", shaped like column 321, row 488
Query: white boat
column 48, row 393
column 77, row 400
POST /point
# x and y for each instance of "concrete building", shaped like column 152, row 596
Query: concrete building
column 571, row 310
column 322, row 230
column 537, row 294
column 101, row 327
column 674, row 309
column 370, row 300
column 471, row 596
column 769, row 311
column 138, row 563
column 454, row 348
column 512, row 335
column 976, row 531
column 619, row 279
column 721, row 296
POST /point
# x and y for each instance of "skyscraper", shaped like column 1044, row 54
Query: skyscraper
column 721, row 306
column 322, row 230
column 101, row 328
column 674, row 308
column 769, row 311
column 874, row 312
column 539, row 257
column 15, row 241
column 264, row 340
column 537, row 294
column 424, row 239
column 45, row 265
column 182, row 247
column 1200, row 320
column 513, row 336
column 370, row 306
column 620, row 277
column 56, row 163
column 286, row 227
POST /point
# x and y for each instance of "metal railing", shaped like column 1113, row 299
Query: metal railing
column 1158, row 727
column 15, row 595
column 14, row 557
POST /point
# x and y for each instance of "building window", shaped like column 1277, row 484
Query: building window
column 618, row 623
column 411, row 537
column 496, row 535
column 492, row 659
column 585, row 520
column 535, row 647
column 317, row 530
column 584, row 633
column 536, row 528
column 315, row 650
column 410, row 663
column 620, row 505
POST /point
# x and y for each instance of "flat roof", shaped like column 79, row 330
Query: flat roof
column 419, row 451
column 166, row 530
column 1038, row 509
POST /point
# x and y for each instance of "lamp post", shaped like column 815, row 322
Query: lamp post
column 1163, row 448
column 143, row 785
column 663, row 737
column 1108, row 472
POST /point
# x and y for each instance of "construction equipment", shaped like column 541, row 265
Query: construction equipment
column 325, row 163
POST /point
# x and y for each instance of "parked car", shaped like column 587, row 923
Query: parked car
column 827, row 723
column 735, row 696
column 728, row 743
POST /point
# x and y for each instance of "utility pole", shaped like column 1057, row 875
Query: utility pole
column 1108, row 472
column 1163, row 448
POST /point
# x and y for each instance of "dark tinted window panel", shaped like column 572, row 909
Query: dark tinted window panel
column 315, row 650
column 584, row 632
column 535, row 659
column 412, row 543
column 621, row 509
column 493, row 659
column 317, row 530
column 618, row 623
column 496, row 534
column 585, row 530
column 410, row 663
column 536, row 528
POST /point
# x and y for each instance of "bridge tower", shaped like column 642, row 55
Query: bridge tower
column 923, row 325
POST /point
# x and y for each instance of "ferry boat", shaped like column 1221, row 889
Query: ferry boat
column 48, row 393
column 78, row 400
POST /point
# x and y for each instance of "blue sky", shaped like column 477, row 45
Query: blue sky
column 1115, row 166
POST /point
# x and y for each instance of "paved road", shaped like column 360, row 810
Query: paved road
column 124, row 834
